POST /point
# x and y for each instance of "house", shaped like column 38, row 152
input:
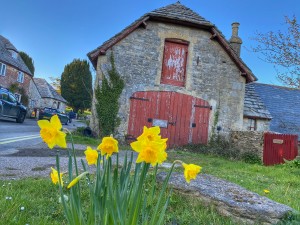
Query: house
column 14, row 74
column 44, row 95
column 283, row 105
column 256, row 116
column 180, row 73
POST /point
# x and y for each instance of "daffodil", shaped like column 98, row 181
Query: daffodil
column 76, row 179
column 91, row 155
column 51, row 132
column 191, row 171
column 151, row 134
column 55, row 178
column 150, row 151
column 266, row 191
column 108, row 146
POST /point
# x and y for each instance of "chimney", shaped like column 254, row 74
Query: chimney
column 235, row 40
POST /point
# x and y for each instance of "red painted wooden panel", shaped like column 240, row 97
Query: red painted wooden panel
column 278, row 147
column 179, row 110
column 174, row 64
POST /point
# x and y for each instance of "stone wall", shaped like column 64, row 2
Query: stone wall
column 261, row 125
column 248, row 142
column 210, row 74
column 34, row 95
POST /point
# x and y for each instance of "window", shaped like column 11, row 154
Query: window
column 174, row 62
column 2, row 69
column 14, row 54
column 18, row 97
column 4, row 96
column 12, row 99
column 20, row 77
column 252, row 124
column 32, row 103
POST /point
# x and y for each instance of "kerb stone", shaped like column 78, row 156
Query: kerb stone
column 230, row 199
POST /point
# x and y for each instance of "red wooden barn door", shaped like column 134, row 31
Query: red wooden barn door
column 278, row 147
column 183, row 119
column 174, row 63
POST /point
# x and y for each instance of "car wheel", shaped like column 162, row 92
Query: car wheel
column 21, row 117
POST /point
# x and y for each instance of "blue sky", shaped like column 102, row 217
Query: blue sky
column 55, row 32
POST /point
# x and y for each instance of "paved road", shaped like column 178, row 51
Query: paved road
column 14, row 135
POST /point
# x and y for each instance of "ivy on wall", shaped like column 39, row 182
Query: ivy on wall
column 107, row 100
column 14, row 88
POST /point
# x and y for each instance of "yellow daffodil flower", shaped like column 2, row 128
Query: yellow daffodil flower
column 266, row 191
column 108, row 146
column 150, row 151
column 152, row 134
column 55, row 178
column 51, row 132
column 76, row 179
column 91, row 155
column 191, row 171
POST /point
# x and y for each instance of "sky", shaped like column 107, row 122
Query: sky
column 55, row 32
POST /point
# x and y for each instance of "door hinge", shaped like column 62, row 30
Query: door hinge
column 203, row 106
column 141, row 99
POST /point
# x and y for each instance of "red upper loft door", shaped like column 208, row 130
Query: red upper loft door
column 174, row 63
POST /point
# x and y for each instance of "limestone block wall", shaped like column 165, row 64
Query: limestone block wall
column 248, row 141
column 210, row 73
column 261, row 125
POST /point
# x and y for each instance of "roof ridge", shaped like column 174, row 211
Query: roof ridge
column 274, row 85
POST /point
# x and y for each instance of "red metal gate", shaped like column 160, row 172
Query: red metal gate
column 278, row 147
column 183, row 119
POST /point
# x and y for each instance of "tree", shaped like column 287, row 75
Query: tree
column 28, row 61
column 283, row 50
column 55, row 82
column 76, row 84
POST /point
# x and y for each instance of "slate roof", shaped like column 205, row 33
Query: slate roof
column 6, row 57
column 253, row 105
column 284, row 106
column 46, row 90
column 178, row 14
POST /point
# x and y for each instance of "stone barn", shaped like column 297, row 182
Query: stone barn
column 180, row 73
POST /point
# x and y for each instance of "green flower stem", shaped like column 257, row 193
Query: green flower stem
column 73, row 149
column 67, row 212
column 162, row 192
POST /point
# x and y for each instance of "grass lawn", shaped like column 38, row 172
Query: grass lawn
column 39, row 197
column 283, row 182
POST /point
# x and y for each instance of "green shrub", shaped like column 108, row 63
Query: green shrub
column 292, row 163
column 250, row 157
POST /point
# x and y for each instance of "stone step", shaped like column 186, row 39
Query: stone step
column 230, row 199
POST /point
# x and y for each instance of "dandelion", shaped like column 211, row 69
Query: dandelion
column 108, row 146
column 55, row 178
column 266, row 191
column 51, row 132
column 91, row 155
column 191, row 171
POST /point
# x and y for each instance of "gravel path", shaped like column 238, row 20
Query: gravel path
column 37, row 160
